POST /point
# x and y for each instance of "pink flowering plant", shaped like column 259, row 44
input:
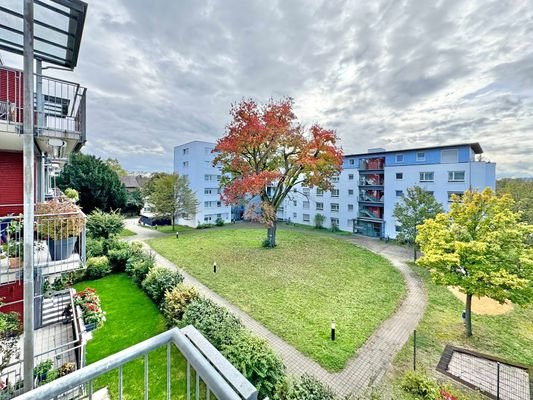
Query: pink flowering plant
column 89, row 303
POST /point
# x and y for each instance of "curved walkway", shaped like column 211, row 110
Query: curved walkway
column 372, row 360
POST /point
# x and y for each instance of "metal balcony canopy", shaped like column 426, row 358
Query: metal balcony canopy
column 58, row 29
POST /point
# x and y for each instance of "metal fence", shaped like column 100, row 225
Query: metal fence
column 488, row 375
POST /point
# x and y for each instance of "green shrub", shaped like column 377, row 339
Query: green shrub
column 72, row 194
column 258, row 363
column 95, row 247
column 176, row 301
column 139, row 269
column 59, row 283
column 158, row 281
column 310, row 388
column 97, row 267
column 319, row 221
column 121, row 253
column 219, row 222
column 204, row 226
column 420, row 385
column 216, row 323
column 104, row 225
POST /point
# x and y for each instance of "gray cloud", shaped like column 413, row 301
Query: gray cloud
column 382, row 73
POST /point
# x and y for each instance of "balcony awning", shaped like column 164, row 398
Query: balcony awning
column 58, row 27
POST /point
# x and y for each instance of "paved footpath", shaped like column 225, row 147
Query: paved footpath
column 372, row 360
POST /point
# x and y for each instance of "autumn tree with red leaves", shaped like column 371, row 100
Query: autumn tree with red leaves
column 266, row 152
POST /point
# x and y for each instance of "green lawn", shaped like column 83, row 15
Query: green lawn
column 126, row 232
column 509, row 336
column 168, row 228
column 297, row 288
column 131, row 318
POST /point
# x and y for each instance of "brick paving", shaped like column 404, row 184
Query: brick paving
column 373, row 359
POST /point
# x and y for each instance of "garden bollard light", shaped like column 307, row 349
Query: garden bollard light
column 215, row 267
column 177, row 235
column 332, row 329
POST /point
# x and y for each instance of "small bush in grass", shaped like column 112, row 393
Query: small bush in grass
column 257, row 362
column 216, row 323
column 219, row 222
column 310, row 388
column 420, row 385
column 319, row 221
column 97, row 267
column 176, row 302
column 158, row 281
column 204, row 226
column 95, row 247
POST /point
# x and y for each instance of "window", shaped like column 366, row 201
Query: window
column 185, row 164
column 398, row 228
column 449, row 156
column 352, row 161
column 295, row 203
column 319, row 192
column 319, row 206
column 306, row 191
column 350, row 207
column 450, row 195
column 350, row 177
column 350, row 192
column 456, row 176
column 335, row 179
column 212, row 177
column 399, row 193
column 334, row 222
column 186, row 151
column 399, row 176
column 305, row 205
column 294, row 215
column 281, row 209
column 211, row 204
column 426, row 176
column 208, row 191
column 207, row 218
column 399, row 158
column 420, row 156
column 306, row 217
column 430, row 192
column 334, row 192
column 335, row 207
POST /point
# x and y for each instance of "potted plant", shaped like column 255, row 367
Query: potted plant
column 41, row 370
column 89, row 302
column 13, row 247
column 61, row 222
column 66, row 368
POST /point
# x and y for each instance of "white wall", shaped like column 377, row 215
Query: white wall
column 195, row 160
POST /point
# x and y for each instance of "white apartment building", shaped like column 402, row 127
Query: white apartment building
column 194, row 160
column 364, row 193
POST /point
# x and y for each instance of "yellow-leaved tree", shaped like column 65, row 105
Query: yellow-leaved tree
column 481, row 247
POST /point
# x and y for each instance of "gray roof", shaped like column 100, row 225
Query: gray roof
column 133, row 181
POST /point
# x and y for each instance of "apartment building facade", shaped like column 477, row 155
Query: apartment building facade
column 365, row 192
column 370, row 184
column 194, row 160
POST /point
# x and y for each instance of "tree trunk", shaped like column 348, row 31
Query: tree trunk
column 468, row 315
column 271, row 235
column 414, row 252
column 173, row 222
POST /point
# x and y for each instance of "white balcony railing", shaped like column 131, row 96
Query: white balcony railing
column 212, row 370
column 59, row 239
column 59, row 105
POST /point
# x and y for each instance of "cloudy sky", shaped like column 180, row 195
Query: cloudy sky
column 390, row 74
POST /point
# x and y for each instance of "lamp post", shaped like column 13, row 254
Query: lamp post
column 332, row 329
column 215, row 266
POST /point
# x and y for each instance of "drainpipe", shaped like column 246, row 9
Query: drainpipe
column 29, row 181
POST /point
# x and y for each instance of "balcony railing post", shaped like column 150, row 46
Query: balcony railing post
column 29, row 182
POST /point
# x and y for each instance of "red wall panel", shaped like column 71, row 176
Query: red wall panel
column 11, row 183
column 10, row 293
